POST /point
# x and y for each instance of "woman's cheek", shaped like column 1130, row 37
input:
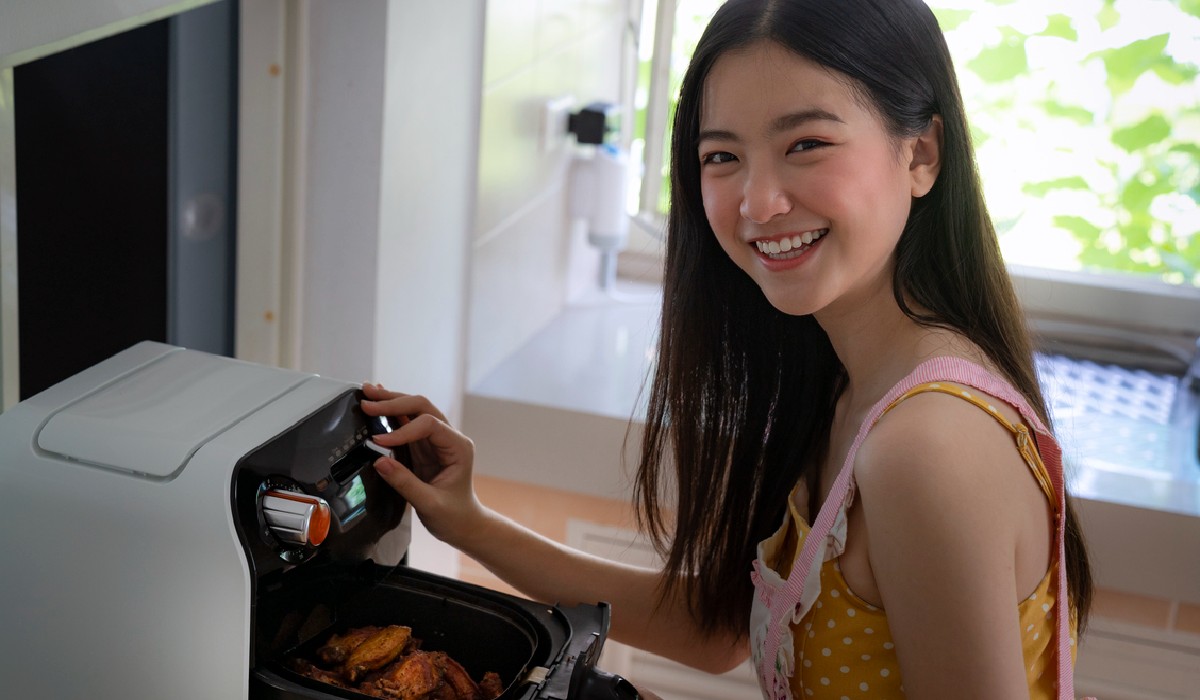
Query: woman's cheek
column 721, row 214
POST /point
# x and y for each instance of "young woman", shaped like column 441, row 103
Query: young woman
column 866, row 498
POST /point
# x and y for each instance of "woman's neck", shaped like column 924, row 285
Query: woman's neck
column 879, row 345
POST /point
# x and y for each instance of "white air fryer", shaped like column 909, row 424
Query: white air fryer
column 179, row 525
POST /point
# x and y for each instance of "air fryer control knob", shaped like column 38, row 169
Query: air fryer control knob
column 296, row 518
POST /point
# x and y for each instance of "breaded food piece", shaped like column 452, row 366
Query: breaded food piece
column 491, row 687
column 339, row 646
column 456, row 677
column 377, row 651
column 413, row 678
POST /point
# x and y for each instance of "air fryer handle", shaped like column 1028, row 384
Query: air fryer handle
column 601, row 685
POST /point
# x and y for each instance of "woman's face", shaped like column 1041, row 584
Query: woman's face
column 803, row 186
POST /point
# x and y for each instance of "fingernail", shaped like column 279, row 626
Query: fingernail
column 383, row 466
column 372, row 445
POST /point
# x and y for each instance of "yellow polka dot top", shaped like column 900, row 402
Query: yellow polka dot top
column 843, row 646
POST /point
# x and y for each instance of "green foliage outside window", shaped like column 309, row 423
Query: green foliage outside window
column 1086, row 117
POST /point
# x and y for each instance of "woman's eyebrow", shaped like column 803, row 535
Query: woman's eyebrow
column 716, row 135
column 780, row 124
column 795, row 119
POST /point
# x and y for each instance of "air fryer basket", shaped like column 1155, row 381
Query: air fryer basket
column 482, row 630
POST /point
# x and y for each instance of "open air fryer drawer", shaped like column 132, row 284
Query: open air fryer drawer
column 539, row 651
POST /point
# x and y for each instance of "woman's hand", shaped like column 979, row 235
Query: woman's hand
column 438, row 481
column 535, row 565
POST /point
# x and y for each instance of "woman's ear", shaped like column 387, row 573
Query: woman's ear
column 926, row 161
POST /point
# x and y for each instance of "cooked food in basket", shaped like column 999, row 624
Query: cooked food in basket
column 387, row 662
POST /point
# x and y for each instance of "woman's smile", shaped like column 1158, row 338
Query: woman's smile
column 789, row 247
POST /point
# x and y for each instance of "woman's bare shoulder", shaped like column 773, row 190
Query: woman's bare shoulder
column 933, row 444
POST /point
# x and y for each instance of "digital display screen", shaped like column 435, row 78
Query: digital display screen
column 351, row 498
column 354, row 497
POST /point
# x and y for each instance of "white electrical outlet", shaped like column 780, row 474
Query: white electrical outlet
column 552, row 130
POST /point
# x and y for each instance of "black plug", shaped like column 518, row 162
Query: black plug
column 597, row 123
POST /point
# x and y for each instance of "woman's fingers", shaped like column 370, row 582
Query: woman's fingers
column 450, row 444
column 376, row 392
column 436, row 478
column 381, row 402
column 415, row 491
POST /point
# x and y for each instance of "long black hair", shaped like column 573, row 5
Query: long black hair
column 742, row 395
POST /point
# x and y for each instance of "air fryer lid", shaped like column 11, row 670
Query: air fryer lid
column 162, row 411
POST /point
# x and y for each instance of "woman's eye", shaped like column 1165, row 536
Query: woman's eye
column 806, row 145
column 716, row 158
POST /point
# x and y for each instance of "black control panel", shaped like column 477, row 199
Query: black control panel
column 325, row 455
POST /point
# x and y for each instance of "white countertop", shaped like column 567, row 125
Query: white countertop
column 594, row 357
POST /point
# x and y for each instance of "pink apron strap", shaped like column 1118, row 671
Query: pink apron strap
column 951, row 369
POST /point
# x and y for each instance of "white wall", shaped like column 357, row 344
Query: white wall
column 526, row 261
column 382, row 155
column 430, row 153
column 339, row 203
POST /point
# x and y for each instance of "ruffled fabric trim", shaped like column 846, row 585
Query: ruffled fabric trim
column 767, row 580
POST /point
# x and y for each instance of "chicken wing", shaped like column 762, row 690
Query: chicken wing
column 339, row 646
column 377, row 651
column 456, row 677
column 491, row 687
column 386, row 662
column 414, row 677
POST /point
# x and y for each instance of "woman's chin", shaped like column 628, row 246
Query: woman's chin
column 789, row 303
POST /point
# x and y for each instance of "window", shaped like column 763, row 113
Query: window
column 1086, row 119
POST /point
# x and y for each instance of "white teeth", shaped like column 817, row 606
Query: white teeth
column 789, row 244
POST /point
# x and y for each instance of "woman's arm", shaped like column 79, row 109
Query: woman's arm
column 535, row 565
column 957, row 530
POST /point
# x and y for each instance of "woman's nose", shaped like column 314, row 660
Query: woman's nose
column 764, row 196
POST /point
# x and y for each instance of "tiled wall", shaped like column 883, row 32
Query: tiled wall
column 526, row 260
